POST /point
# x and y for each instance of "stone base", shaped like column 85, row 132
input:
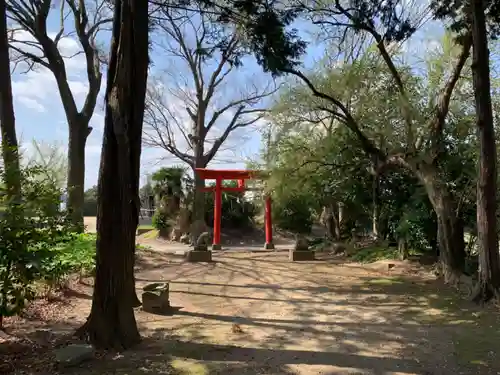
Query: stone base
column 269, row 246
column 217, row 246
column 200, row 248
column 199, row 256
column 300, row 255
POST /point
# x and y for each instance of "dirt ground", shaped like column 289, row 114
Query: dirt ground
column 258, row 313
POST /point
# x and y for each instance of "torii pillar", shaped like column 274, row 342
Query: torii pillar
column 268, row 220
column 240, row 176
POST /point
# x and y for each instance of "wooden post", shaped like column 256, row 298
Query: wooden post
column 268, row 224
column 217, row 214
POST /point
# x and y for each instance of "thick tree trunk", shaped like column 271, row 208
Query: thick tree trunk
column 198, row 198
column 199, row 162
column 336, row 225
column 489, row 262
column 78, row 133
column 330, row 221
column 111, row 323
column 10, row 152
column 198, row 212
column 376, row 206
column 450, row 226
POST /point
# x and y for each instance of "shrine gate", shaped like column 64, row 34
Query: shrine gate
column 219, row 175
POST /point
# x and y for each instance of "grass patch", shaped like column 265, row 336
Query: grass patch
column 74, row 254
column 150, row 234
column 146, row 226
column 385, row 281
column 375, row 253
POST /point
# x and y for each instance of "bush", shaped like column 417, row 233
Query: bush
column 292, row 213
column 29, row 228
column 237, row 212
column 160, row 220
column 90, row 202
column 74, row 253
column 89, row 207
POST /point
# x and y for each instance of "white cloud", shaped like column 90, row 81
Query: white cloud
column 37, row 91
column 39, row 84
column 170, row 105
column 31, row 103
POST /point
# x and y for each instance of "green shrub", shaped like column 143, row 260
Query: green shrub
column 292, row 213
column 75, row 253
column 90, row 202
column 29, row 228
column 237, row 212
column 160, row 220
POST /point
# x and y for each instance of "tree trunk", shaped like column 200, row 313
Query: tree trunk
column 111, row 323
column 330, row 221
column 376, row 206
column 450, row 226
column 78, row 133
column 336, row 226
column 341, row 214
column 403, row 248
column 198, row 198
column 198, row 212
column 10, row 150
column 488, row 285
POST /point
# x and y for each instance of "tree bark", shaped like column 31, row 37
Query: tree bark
column 198, row 211
column 111, row 323
column 198, row 198
column 10, row 152
column 450, row 226
column 199, row 162
column 488, row 285
column 376, row 206
column 78, row 133
column 330, row 221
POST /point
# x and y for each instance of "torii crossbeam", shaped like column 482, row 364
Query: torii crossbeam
column 219, row 175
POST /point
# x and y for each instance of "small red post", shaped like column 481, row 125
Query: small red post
column 269, row 224
column 217, row 214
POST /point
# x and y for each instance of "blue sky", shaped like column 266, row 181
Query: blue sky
column 40, row 116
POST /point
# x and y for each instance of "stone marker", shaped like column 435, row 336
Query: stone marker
column 155, row 298
column 301, row 251
column 73, row 355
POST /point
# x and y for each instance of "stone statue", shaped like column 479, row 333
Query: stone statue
column 175, row 235
column 184, row 239
column 301, row 243
column 197, row 228
column 202, row 242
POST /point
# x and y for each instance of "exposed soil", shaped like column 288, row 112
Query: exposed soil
column 258, row 313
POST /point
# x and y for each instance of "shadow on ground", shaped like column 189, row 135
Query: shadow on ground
column 260, row 314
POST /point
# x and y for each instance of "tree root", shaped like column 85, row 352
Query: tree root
column 108, row 339
column 484, row 292
column 135, row 301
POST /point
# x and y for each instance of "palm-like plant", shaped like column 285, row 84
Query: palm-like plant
column 168, row 182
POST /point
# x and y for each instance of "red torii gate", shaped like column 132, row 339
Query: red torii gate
column 220, row 175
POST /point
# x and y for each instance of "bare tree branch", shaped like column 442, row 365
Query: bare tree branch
column 183, row 120
column 31, row 16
